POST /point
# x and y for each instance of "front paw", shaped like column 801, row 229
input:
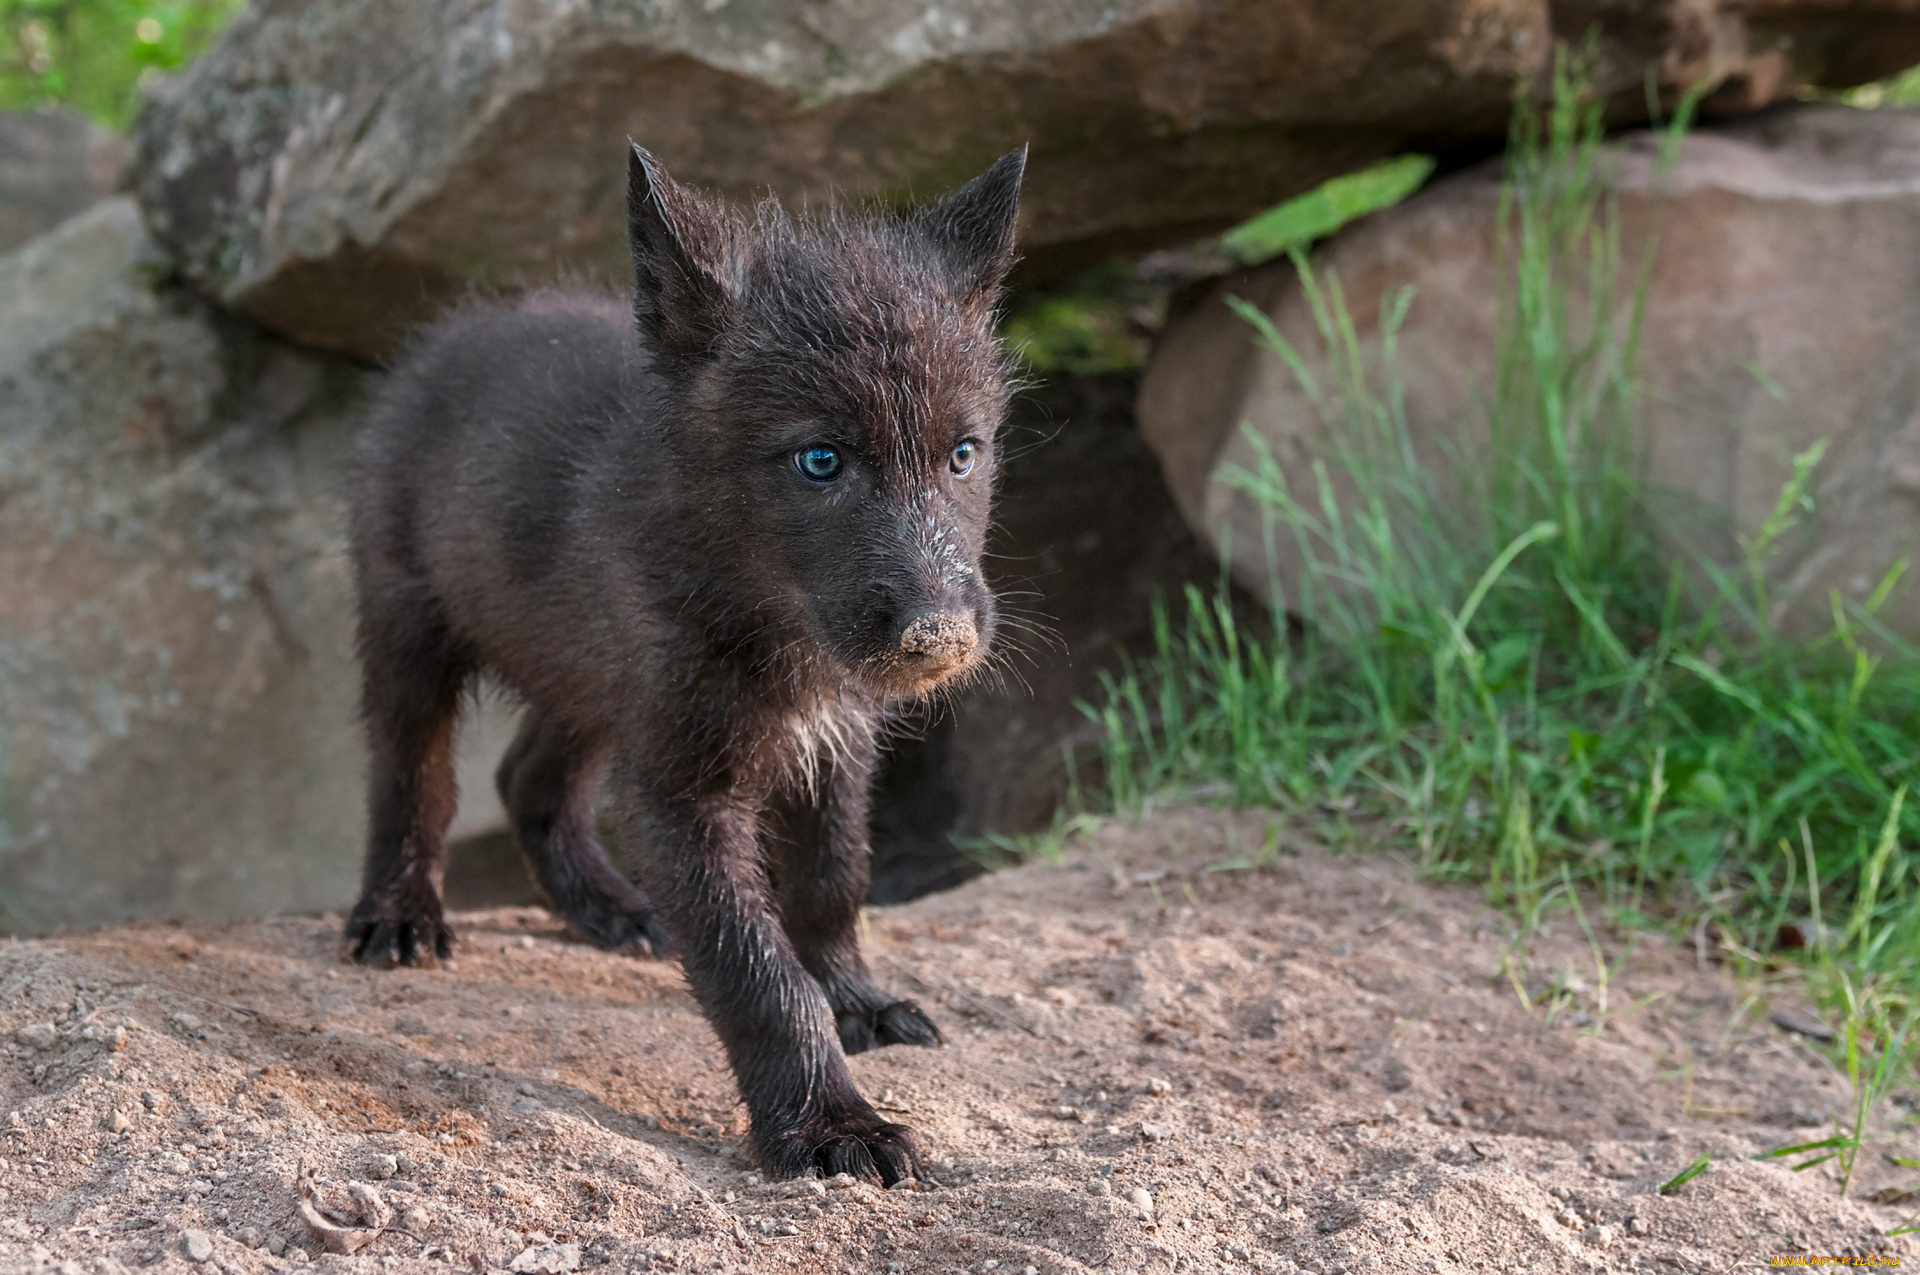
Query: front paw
column 386, row 935
column 898, row 1023
column 859, row 1142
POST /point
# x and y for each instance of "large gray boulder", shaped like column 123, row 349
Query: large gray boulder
column 177, row 684
column 1781, row 312
column 176, row 716
column 337, row 168
column 53, row 164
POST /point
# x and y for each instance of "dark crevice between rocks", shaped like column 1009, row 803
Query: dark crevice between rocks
column 1086, row 537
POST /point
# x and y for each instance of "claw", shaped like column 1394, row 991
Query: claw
column 905, row 1023
column 630, row 933
column 421, row 942
column 860, row 1143
column 899, row 1023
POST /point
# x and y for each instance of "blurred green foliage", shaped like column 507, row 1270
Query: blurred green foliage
column 1899, row 90
column 1099, row 321
column 93, row 55
column 1324, row 209
column 1103, row 320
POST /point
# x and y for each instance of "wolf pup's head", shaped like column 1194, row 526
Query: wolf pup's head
column 842, row 387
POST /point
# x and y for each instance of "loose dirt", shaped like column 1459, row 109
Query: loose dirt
column 1318, row 1064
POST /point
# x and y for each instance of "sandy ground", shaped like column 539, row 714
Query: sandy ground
column 1314, row 1066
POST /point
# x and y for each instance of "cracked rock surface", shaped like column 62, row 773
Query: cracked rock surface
column 338, row 168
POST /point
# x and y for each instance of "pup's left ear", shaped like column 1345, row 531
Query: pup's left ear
column 976, row 224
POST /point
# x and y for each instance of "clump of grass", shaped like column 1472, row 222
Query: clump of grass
column 1875, row 1056
column 1504, row 666
column 1700, row 1165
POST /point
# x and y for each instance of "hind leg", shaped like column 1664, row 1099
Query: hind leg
column 548, row 780
column 411, row 694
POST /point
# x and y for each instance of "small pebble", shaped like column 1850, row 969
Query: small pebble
column 373, row 1210
column 1156, row 1085
column 1637, row 1226
column 385, row 1166
column 199, row 1245
column 119, row 1122
column 1142, row 1201
column 38, row 1036
column 1155, row 1132
column 249, row 1235
column 415, row 1219
column 151, row 1099
column 1601, row 1236
column 186, row 1022
column 1098, row 1186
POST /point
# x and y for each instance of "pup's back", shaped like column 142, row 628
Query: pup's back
column 478, row 458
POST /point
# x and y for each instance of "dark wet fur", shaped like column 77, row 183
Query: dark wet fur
column 600, row 505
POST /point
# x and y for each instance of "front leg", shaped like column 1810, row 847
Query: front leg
column 817, row 838
column 700, row 862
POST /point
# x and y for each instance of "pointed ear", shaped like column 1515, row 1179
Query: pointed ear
column 976, row 223
column 683, row 261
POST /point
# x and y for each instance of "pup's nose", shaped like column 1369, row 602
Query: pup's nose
column 941, row 638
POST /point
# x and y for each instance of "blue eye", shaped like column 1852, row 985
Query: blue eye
column 961, row 462
column 821, row 464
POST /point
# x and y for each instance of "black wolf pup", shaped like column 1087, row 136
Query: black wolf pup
column 711, row 541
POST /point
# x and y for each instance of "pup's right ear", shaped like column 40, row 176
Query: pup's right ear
column 685, row 261
column 976, row 225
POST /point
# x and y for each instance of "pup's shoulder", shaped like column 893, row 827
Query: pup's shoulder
column 541, row 325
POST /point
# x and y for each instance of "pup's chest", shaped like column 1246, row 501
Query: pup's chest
column 816, row 737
